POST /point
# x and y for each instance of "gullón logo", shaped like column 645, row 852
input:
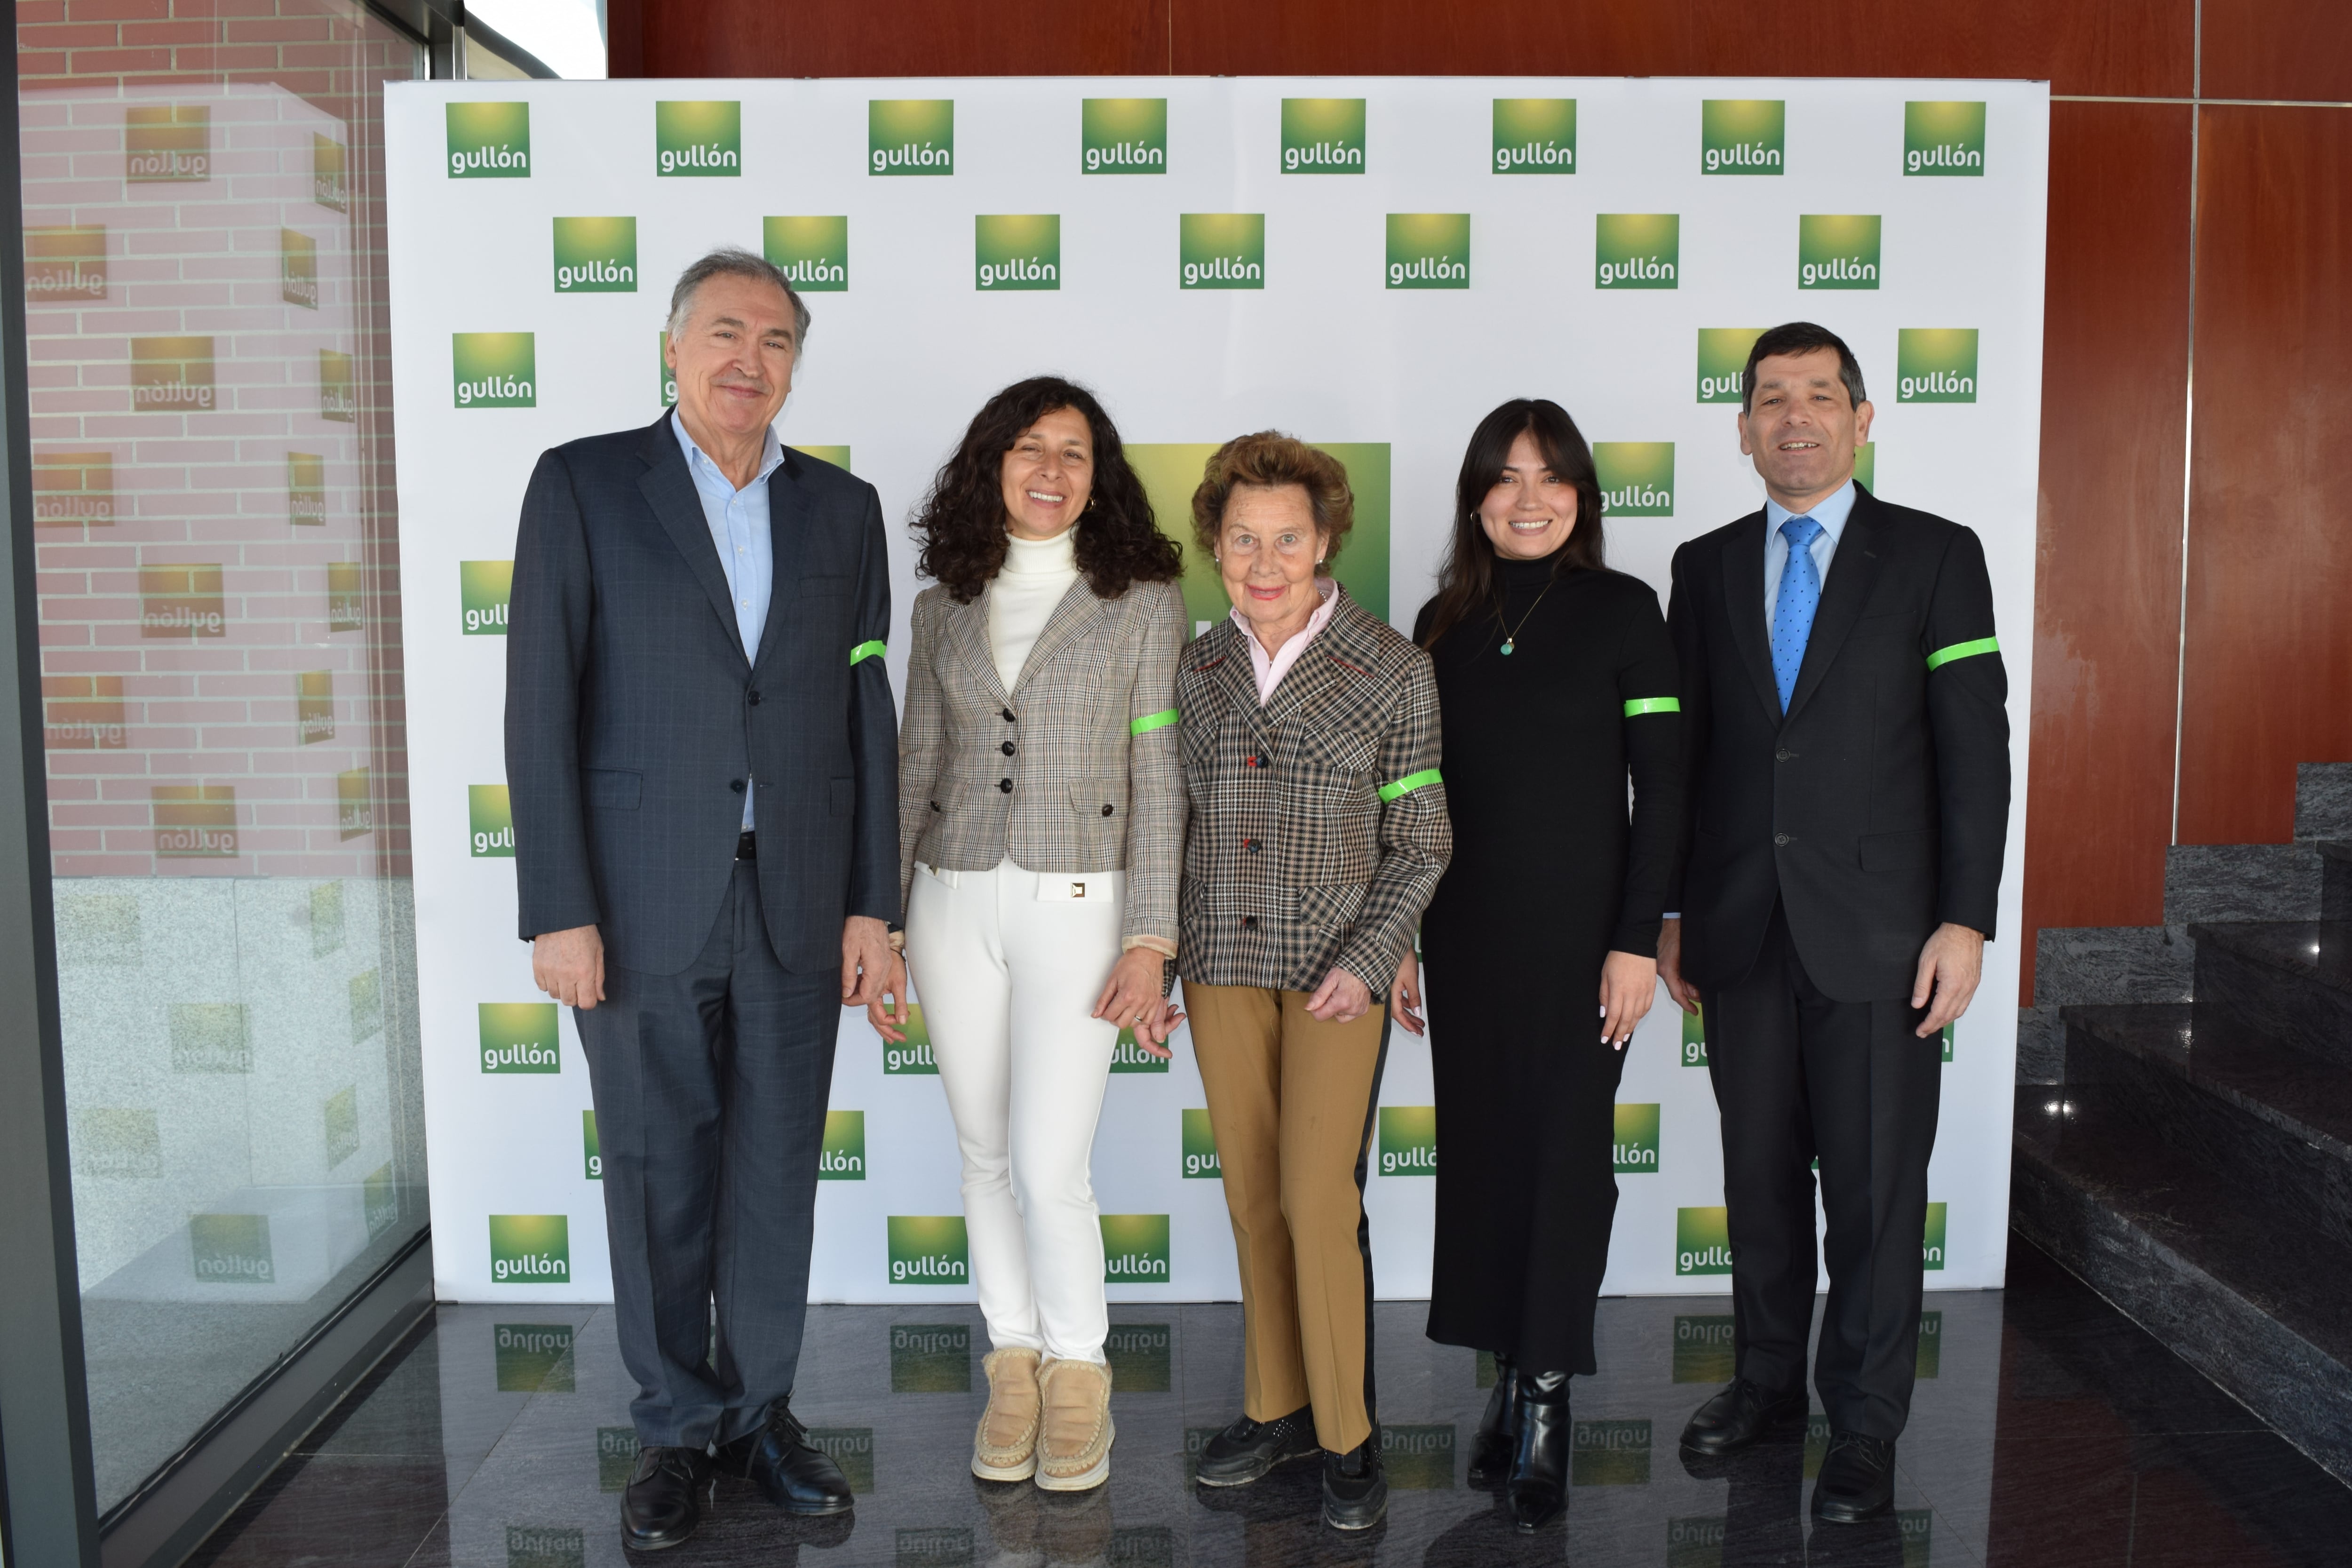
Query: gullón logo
column 532, row 1358
column 1637, row 1140
column 1408, row 1140
column 596, row 256
column 1429, row 250
column 837, row 456
column 665, row 377
column 1135, row 1250
column 489, row 822
column 65, row 263
column 1943, row 137
column 1322, row 136
column 1742, row 135
column 83, row 713
column 1702, row 1241
column 336, row 401
column 1609, row 1453
column 1637, row 251
column 378, row 1201
column 1865, row 474
column 1703, row 1350
column 230, row 1248
column 181, row 601
column 542, row 1546
column 1017, row 250
column 193, row 822
column 355, row 803
column 1697, row 1541
column 915, row 1055
column 931, row 1358
column 1125, row 1056
column 167, row 144
column 210, row 1037
column 1418, row 1458
column 928, row 1249
column 327, row 163
column 852, row 1449
column 1837, row 251
column 71, row 487
column 703, row 138
column 519, row 1037
column 1141, row 1356
column 934, row 1546
column 171, row 375
column 1535, row 136
column 592, row 1149
column 843, row 1157
column 1723, row 361
column 346, row 603
column 490, row 140
column 1931, row 1249
column 1221, row 250
column 1200, row 1147
column 306, row 489
column 530, row 1248
column 910, row 136
column 483, row 589
column 314, row 705
column 616, row 1456
column 1123, row 136
column 1693, row 1053
column 1870, row 483
column 298, row 268
column 495, row 370
column 1936, row 364
column 813, row 251
column 1637, row 478
column 1928, row 1359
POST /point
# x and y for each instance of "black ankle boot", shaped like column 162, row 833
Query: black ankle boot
column 1498, row 1428
column 1538, row 1484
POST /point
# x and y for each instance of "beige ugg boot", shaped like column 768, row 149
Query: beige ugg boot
column 1005, row 1446
column 1073, row 1447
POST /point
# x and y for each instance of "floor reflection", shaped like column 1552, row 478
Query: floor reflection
column 2047, row 1430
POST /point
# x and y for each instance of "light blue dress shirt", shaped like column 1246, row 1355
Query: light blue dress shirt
column 1830, row 513
column 739, row 528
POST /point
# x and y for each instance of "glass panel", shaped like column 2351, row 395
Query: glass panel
column 221, row 676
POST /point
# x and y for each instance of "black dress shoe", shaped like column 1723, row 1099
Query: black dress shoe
column 663, row 1501
column 779, row 1461
column 1498, row 1428
column 1538, row 1484
column 1857, row 1478
column 1739, row 1416
column 1244, row 1451
column 1355, row 1486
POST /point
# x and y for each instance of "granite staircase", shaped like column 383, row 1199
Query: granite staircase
column 2184, row 1117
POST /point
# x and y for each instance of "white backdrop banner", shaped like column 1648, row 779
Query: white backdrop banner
column 1370, row 265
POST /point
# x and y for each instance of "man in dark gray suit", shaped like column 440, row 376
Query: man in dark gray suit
column 703, row 757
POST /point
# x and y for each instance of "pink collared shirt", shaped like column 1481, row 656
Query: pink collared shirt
column 1270, row 671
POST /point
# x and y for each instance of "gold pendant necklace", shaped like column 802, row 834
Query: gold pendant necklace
column 1511, row 633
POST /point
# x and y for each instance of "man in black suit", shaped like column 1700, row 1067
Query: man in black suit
column 1845, row 727
column 703, row 757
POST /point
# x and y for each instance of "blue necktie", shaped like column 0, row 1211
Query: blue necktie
column 1793, row 606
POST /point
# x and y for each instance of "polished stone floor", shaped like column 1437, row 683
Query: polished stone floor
column 2047, row 1430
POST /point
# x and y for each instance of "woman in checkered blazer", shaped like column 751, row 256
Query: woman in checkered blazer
column 1041, row 819
column 1318, row 832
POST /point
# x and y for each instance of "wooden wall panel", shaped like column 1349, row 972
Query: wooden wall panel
column 2279, row 49
column 2270, row 558
column 904, row 38
column 2108, row 580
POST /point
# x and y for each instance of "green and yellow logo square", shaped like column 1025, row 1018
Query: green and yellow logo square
column 338, row 391
column 183, row 599
column 327, row 159
column 1743, row 135
column 1704, row 1349
column 915, row 1055
column 910, row 136
column 68, row 263
column 616, row 1456
column 1609, row 1453
column 1943, row 137
column 843, row 1156
column 927, row 1249
column 1637, row 251
column 231, row 1248
column 596, row 256
column 495, row 370
column 592, row 1149
column 195, row 822
column 171, row 375
column 1693, row 1051
column 665, row 378
column 1322, row 136
column 1723, row 362
column 355, row 803
column 530, row 1248
column 314, row 706
column 1697, row 1541
column 1418, row 1458
column 1408, row 1140
column 1865, row 474
column 1135, row 1250
column 1936, row 364
column 814, row 252
column 1429, row 250
column 489, row 822
column 306, row 489
column 532, row 1358
column 699, row 138
column 519, row 1037
column 852, row 1450
column 490, row 140
column 1948, row 1028
column 209, row 1036
column 1017, row 251
column 167, row 143
column 1702, row 1241
column 1637, row 478
column 1127, row 1056
column 1200, row 1147
column 1142, row 1357
column 298, row 268
column 1636, row 1144
column 1928, row 1361
column 484, row 587
column 1931, row 1246
column 837, row 456
column 1535, row 136
column 1123, row 136
column 1221, row 250
column 931, row 1358
column 1837, row 251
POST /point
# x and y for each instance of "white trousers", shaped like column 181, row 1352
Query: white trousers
column 1008, row 965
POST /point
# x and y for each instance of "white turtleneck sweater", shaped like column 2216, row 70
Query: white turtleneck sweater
column 1036, row 574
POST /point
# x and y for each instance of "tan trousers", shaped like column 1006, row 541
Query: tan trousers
column 1290, row 1100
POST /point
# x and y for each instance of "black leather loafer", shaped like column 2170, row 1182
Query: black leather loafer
column 1498, row 1428
column 1246, row 1450
column 1538, row 1490
column 663, row 1501
column 794, row 1476
column 1857, row 1479
column 1740, row 1416
column 1355, row 1487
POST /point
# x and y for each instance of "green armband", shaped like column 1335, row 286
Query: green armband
column 1943, row 656
column 1407, row 784
column 1150, row 721
column 865, row 650
column 1641, row 705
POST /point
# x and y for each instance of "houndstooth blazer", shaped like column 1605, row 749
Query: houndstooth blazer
column 1318, row 827
column 1073, row 770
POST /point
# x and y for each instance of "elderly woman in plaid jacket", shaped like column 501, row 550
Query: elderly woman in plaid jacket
column 1041, row 818
column 1318, row 832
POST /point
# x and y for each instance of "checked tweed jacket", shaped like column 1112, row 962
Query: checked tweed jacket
column 1073, row 770
column 1318, row 827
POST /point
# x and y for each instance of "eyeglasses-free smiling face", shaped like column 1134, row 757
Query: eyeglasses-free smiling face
column 1801, row 427
column 1266, row 553
column 1048, row 475
column 733, row 359
column 1530, row 510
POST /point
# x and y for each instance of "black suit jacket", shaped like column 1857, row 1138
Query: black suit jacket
column 633, row 716
column 1878, row 806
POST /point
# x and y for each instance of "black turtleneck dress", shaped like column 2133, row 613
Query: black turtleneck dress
column 1551, row 870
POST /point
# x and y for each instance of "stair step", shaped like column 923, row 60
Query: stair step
column 2242, row 882
column 2112, row 964
column 2239, row 1286
column 2322, row 800
column 2335, row 880
column 2287, row 982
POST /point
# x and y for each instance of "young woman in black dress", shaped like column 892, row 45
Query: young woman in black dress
column 1556, row 679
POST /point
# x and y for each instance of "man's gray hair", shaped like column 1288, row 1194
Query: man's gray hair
column 734, row 261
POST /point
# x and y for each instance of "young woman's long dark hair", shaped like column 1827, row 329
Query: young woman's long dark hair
column 1465, row 579
column 960, row 525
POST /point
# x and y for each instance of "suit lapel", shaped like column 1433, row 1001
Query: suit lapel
column 1743, row 593
column 968, row 636
column 789, row 510
column 669, row 489
column 1072, row 616
column 1237, row 675
column 1312, row 677
column 1853, row 570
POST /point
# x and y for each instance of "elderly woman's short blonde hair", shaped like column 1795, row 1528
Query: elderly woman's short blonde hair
column 1268, row 459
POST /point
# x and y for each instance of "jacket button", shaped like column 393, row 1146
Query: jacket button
column 1784, row 839
column 1250, row 845
column 1008, row 716
column 735, row 784
column 1109, row 809
column 1249, row 922
column 1006, row 748
column 1005, row 784
column 1783, row 756
column 1249, row 762
column 935, row 806
column 755, row 699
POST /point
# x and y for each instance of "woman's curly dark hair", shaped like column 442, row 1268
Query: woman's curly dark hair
column 960, row 525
